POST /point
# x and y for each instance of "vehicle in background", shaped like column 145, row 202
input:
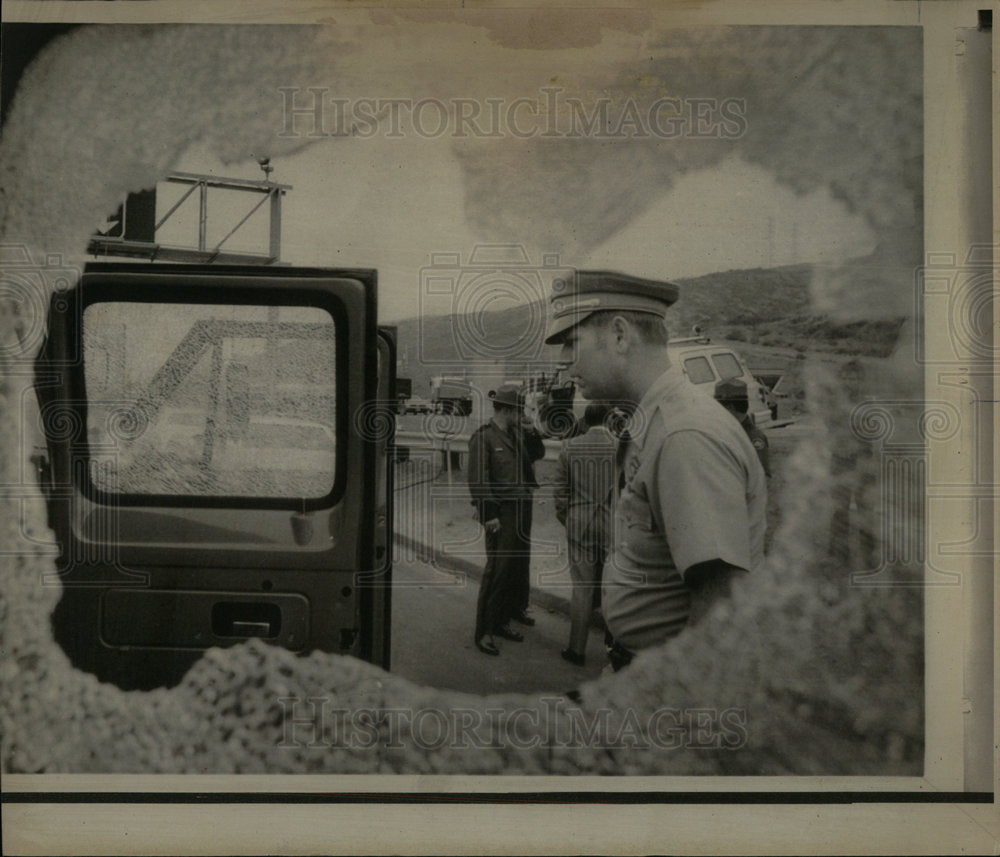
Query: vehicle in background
column 551, row 403
column 451, row 395
column 418, row 405
column 705, row 364
column 404, row 391
column 771, row 379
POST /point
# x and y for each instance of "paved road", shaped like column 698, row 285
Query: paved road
column 433, row 614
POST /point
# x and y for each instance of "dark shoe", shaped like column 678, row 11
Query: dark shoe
column 487, row 648
column 573, row 657
column 524, row 619
column 509, row 634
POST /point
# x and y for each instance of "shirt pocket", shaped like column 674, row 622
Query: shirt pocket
column 632, row 513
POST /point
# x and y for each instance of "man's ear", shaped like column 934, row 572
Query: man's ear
column 622, row 333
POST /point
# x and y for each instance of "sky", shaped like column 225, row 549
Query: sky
column 812, row 154
column 393, row 204
column 767, row 180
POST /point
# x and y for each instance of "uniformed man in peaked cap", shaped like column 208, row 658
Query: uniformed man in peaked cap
column 502, row 453
column 690, row 498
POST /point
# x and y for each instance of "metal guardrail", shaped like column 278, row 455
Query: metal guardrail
column 456, row 443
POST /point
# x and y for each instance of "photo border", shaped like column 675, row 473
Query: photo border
column 952, row 807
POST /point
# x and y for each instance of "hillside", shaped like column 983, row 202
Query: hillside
column 763, row 307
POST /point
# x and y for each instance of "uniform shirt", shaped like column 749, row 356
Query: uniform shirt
column 692, row 490
column 501, row 466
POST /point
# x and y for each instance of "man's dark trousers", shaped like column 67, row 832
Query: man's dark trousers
column 505, row 587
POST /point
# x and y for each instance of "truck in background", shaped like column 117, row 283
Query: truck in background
column 451, row 395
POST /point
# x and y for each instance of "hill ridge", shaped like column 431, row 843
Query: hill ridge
column 767, row 307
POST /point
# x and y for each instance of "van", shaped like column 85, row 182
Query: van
column 705, row 364
column 215, row 466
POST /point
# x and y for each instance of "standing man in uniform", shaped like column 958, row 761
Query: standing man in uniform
column 732, row 395
column 690, row 501
column 502, row 453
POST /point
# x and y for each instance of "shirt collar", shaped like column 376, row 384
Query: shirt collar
column 669, row 385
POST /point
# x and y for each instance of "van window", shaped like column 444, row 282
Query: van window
column 727, row 365
column 698, row 370
column 207, row 400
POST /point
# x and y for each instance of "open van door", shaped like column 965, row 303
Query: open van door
column 380, row 426
column 210, row 477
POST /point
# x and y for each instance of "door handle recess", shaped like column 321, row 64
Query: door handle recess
column 246, row 619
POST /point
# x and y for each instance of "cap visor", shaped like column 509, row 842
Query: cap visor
column 559, row 327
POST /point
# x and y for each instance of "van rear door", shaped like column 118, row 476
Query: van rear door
column 207, row 479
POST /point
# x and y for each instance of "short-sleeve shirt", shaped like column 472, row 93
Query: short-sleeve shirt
column 692, row 491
